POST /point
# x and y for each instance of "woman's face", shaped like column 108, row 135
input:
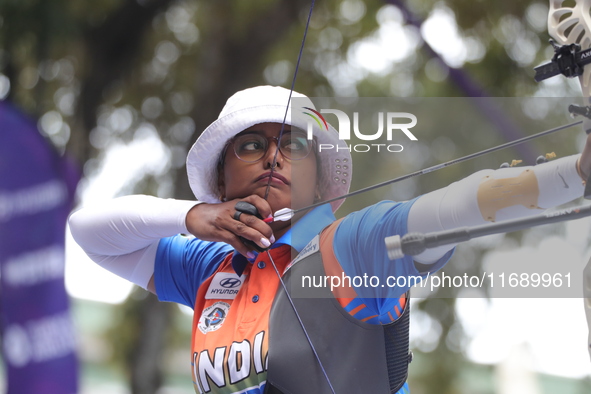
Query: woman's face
column 293, row 183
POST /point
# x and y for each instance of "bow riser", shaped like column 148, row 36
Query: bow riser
column 572, row 25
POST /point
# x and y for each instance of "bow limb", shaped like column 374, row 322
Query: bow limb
column 575, row 28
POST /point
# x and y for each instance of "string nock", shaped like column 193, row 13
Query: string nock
column 576, row 110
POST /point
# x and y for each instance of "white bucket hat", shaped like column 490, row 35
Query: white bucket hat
column 266, row 104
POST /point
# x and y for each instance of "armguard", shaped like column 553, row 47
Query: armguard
column 494, row 195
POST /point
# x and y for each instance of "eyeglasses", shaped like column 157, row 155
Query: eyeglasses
column 252, row 147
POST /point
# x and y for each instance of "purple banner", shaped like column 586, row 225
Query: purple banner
column 36, row 190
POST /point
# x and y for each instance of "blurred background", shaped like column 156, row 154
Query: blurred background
column 120, row 89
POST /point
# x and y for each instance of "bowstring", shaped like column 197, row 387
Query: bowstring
column 273, row 166
column 295, row 74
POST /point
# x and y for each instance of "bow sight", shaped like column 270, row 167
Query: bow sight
column 568, row 60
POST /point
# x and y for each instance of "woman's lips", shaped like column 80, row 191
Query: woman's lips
column 275, row 177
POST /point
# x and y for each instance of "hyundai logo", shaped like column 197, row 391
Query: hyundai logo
column 230, row 283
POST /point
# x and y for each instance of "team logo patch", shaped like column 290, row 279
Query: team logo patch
column 224, row 286
column 213, row 317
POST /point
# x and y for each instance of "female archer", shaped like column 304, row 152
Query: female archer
column 258, row 326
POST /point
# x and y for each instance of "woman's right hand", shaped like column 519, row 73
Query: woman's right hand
column 215, row 222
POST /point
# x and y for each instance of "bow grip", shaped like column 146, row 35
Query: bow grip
column 249, row 209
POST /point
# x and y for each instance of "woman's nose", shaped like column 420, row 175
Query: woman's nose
column 273, row 149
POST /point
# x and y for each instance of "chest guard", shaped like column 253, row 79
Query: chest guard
column 358, row 357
